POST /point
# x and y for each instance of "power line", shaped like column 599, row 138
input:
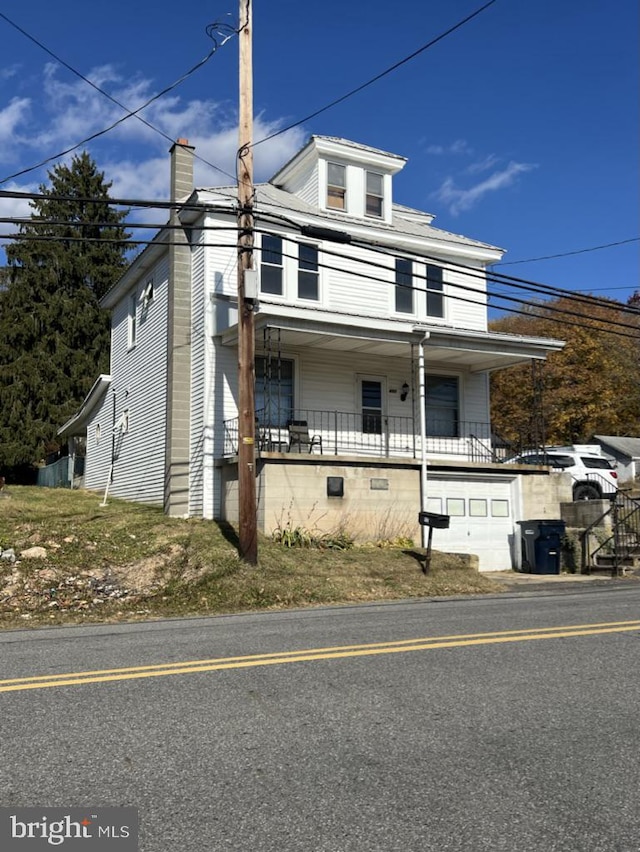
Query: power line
column 211, row 29
column 380, row 75
column 497, row 278
column 536, row 288
column 489, row 295
column 493, row 277
column 117, row 202
column 569, row 253
column 512, row 281
column 548, row 311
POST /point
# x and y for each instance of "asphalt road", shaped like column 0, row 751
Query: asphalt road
column 346, row 729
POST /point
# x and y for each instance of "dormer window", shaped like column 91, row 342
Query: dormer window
column 374, row 196
column 336, row 186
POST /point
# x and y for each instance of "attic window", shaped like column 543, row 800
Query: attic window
column 375, row 195
column 336, row 187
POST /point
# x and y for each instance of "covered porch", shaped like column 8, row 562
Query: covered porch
column 383, row 389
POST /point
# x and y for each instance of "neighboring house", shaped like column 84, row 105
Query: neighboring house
column 349, row 339
column 625, row 451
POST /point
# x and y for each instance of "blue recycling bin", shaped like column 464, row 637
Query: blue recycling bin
column 541, row 542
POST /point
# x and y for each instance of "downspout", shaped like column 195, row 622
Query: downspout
column 422, row 398
column 113, row 451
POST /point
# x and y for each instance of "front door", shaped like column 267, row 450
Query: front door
column 371, row 390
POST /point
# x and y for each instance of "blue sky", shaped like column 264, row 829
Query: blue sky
column 520, row 129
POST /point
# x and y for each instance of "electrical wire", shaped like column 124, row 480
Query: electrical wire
column 132, row 203
column 215, row 28
column 487, row 296
column 512, row 281
column 548, row 311
column 497, row 278
column 490, row 277
column 379, row 76
column 569, row 253
column 470, row 272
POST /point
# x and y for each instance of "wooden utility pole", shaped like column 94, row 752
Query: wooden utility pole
column 248, row 526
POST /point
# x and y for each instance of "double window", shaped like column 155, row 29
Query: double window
column 404, row 286
column 271, row 265
column 336, row 186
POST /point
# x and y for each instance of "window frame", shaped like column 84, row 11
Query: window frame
column 266, row 265
column 307, row 272
column 132, row 321
column 283, row 412
column 435, row 295
column 449, row 425
column 403, row 289
column 336, row 190
column 379, row 197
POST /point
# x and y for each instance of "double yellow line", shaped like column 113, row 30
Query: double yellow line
column 312, row 654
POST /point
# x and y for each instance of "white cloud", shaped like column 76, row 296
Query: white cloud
column 482, row 165
column 13, row 208
column 132, row 156
column 460, row 146
column 9, row 72
column 458, row 200
column 10, row 118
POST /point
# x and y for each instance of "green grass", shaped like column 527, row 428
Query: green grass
column 125, row 561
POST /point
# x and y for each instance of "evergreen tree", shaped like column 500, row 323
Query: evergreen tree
column 54, row 337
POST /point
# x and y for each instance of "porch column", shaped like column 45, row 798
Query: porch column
column 422, row 396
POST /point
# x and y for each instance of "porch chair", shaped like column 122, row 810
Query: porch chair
column 299, row 437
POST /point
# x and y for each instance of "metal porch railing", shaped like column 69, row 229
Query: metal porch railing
column 342, row 433
column 620, row 549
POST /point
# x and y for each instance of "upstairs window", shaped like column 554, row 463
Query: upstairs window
column 336, row 186
column 308, row 272
column 271, row 265
column 374, row 196
column 404, row 286
column 435, row 297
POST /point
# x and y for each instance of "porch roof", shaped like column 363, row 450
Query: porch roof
column 476, row 351
column 77, row 424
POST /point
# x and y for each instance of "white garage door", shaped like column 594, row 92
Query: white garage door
column 482, row 518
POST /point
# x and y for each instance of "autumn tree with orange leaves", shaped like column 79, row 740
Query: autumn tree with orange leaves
column 591, row 387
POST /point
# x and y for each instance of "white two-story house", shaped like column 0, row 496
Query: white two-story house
column 372, row 362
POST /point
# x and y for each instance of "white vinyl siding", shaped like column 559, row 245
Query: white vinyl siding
column 466, row 305
column 304, row 184
column 139, row 385
column 98, row 459
column 198, row 383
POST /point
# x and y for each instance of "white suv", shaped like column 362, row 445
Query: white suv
column 594, row 475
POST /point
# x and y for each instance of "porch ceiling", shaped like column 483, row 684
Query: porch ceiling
column 475, row 351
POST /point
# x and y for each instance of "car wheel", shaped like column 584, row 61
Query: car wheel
column 586, row 492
